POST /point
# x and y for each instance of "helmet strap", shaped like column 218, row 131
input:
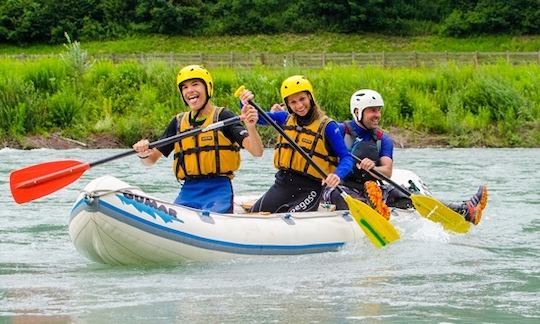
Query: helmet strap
column 308, row 118
column 205, row 102
column 361, row 122
column 363, row 125
column 197, row 113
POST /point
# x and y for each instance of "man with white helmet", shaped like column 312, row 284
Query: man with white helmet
column 374, row 148
column 368, row 142
column 363, row 135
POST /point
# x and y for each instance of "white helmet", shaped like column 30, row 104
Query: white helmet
column 362, row 99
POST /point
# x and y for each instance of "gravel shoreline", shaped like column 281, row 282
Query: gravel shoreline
column 403, row 138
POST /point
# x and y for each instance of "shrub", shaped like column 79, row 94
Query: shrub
column 65, row 109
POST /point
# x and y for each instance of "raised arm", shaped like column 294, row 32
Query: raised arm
column 252, row 143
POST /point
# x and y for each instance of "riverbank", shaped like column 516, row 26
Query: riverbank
column 473, row 106
column 403, row 138
column 59, row 142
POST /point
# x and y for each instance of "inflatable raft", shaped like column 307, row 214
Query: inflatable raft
column 114, row 223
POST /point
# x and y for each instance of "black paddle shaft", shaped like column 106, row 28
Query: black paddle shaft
column 290, row 140
column 173, row 139
column 385, row 178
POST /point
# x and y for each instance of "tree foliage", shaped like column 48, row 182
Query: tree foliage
column 494, row 16
column 29, row 21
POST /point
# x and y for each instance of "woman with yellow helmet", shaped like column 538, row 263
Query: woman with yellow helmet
column 298, row 186
column 204, row 163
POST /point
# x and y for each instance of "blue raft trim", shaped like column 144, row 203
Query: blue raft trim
column 197, row 241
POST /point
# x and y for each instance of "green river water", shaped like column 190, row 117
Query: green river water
column 489, row 275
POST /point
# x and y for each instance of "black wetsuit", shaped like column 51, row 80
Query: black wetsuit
column 291, row 192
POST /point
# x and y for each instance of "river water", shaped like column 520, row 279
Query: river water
column 491, row 274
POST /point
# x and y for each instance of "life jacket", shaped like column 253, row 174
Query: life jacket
column 362, row 149
column 351, row 135
column 311, row 138
column 206, row 154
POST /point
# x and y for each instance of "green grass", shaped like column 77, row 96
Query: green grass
column 494, row 105
column 487, row 105
column 284, row 43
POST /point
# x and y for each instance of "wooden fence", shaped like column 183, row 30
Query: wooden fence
column 317, row 60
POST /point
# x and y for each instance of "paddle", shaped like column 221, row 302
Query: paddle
column 39, row 180
column 379, row 231
column 430, row 207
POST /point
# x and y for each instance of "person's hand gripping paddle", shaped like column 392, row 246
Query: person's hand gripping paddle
column 430, row 207
column 41, row 179
column 379, row 231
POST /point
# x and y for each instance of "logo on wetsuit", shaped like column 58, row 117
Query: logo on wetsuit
column 306, row 202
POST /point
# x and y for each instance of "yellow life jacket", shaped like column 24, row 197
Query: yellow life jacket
column 206, row 154
column 311, row 138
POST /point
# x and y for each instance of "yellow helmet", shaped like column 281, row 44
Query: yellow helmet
column 195, row 72
column 295, row 84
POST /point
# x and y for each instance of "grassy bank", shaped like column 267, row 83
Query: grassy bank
column 492, row 105
column 314, row 43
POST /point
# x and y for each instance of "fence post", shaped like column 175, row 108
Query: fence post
column 291, row 59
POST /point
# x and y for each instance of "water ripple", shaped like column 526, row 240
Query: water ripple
column 488, row 275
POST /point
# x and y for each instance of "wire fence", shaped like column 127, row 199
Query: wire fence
column 318, row 60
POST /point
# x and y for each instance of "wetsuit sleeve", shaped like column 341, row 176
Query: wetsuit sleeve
column 341, row 129
column 387, row 146
column 337, row 144
column 170, row 131
column 236, row 132
column 278, row 116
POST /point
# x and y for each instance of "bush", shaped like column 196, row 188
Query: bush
column 47, row 76
column 66, row 109
column 75, row 57
column 19, row 107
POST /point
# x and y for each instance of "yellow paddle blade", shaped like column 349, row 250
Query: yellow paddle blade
column 436, row 211
column 379, row 231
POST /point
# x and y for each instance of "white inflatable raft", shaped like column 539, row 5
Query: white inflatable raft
column 115, row 223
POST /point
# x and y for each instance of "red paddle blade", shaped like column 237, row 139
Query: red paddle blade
column 39, row 180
